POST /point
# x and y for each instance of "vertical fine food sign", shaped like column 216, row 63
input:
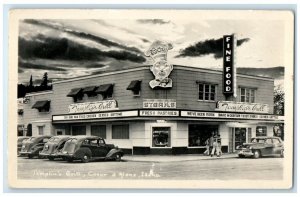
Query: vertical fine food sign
column 228, row 63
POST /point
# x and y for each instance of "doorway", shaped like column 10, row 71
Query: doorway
column 240, row 136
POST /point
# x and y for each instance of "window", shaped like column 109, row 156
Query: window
column 261, row 131
column 79, row 130
column 42, row 106
column 247, row 95
column 76, row 94
column 98, row 130
column 135, row 87
column 41, row 130
column 161, row 137
column 106, row 91
column 120, row 131
column 207, row 92
column 199, row 135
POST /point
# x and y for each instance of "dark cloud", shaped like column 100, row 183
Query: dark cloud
column 98, row 72
column 26, row 65
column 20, row 70
column 145, row 40
column 153, row 21
column 65, row 49
column 241, row 41
column 96, row 65
column 211, row 46
column 83, row 35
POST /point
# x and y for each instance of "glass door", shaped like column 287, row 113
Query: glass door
column 239, row 136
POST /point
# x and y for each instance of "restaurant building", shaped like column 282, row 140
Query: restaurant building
column 133, row 111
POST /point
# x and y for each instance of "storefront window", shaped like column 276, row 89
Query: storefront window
column 261, row 131
column 120, row 131
column 161, row 137
column 278, row 131
column 98, row 130
column 79, row 130
column 199, row 134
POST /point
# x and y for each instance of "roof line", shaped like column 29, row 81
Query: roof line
column 144, row 67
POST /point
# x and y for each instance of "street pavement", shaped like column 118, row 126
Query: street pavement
column 178, row 167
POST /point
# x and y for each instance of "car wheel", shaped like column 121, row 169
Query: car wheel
column 70, row 160
column 85, row 158
column 30, row 156
column 256, row 154
column 51, row 158
column 282, row 153
column 241, row 156
column 118, row 157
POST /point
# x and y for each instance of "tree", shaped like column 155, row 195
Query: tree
column 278, row 101
column 45, row 80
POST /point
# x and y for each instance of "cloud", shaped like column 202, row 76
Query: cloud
column 26, row 65
column 65, row 49
column 153, row 21
column 82, row 35
column 211, row 46
column 241, row 41
column 95, row 65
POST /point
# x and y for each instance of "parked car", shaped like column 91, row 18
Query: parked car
column 262, row 146
column 34, row 145
column 53, row 146
column 21, row 139
column 87, row 148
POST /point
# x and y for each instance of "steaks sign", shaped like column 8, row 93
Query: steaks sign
column 242, row 107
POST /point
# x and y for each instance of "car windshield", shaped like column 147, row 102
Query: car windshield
column 31, row 139
column 256, row 140
column 54, row 139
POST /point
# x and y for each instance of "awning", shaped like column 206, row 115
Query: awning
column 102, row 89
column 134, row 85
column 41, row 105
column 74, row 92
column 89, row 89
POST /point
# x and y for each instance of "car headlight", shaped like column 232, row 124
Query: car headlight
column 46, row 147
column 23, row 146
column 250, row 147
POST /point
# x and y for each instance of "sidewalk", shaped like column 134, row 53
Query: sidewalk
column 174, row 158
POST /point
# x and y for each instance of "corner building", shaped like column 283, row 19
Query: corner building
column 121, row 107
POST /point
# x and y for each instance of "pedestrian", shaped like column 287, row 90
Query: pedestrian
column 206, row 152
column 211, row 141
column 198, row 141
column 215, row 145
column 219, row 146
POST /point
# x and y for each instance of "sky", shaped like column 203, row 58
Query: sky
column 71, row 48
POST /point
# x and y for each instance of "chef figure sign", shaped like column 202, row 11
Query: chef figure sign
column 160, row 68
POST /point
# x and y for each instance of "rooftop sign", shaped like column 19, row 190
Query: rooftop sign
column 160, row 68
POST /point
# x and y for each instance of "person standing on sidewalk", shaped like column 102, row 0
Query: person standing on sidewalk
column 215, row 145
column 219, row 146
column 206, row 152
column 211, row 141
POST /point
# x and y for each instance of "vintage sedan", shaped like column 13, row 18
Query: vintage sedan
column 21, row 139
column 261, row 146
column 87, row 148
column 53, row 146
column 34, row 145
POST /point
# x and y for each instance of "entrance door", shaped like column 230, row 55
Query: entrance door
column 239, row 136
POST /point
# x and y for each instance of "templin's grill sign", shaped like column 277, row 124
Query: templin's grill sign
column 228, row 63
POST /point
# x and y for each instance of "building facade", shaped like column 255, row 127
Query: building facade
column 121, row 107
